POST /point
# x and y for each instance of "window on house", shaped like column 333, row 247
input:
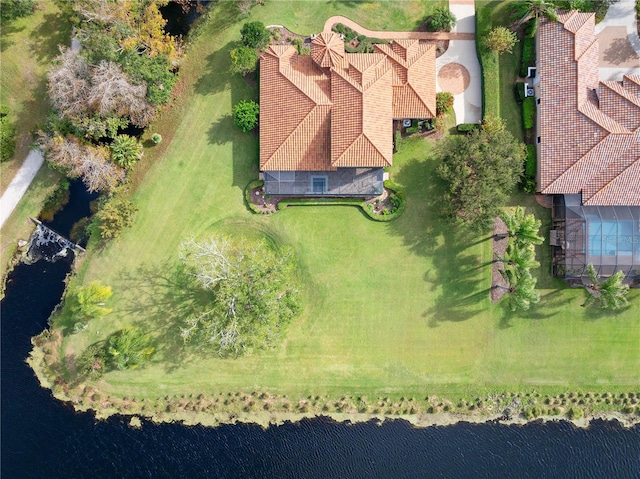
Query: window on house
column 538, row 101
column 318, row 184
column 539, row 139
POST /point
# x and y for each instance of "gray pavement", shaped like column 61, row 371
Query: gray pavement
column 19, row 184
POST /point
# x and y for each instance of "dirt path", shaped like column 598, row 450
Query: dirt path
column 19, row 184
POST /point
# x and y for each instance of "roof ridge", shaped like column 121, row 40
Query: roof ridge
column 362, row 136
column 601, row 119
column 621, row 91
column 317, row 95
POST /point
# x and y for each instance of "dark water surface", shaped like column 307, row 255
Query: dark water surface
column 43, row 438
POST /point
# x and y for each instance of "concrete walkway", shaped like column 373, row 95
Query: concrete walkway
column 619, row 42
column 19, row 184
column 460, row 56
column 331, row 21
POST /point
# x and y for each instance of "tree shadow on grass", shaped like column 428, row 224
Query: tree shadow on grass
column 216, row 76
column 548, row 307
column 457, row 271
column 54, row 30
column 166, row 294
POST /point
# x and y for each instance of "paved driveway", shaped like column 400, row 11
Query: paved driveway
column 619, row 42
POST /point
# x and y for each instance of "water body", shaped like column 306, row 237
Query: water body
column 44, row 438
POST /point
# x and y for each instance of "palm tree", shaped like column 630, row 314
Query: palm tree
column 521, row 290
column 520, row 257
column 535, row 9
column 610, row 294
column 523, row 228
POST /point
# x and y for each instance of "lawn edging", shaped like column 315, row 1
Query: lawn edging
column 247, row 198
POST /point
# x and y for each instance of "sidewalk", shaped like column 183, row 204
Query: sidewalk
column 19, row 184
column 618, row 40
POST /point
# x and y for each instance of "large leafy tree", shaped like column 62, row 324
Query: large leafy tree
column 610, row 294
column 523, row 228
column 243, row 60
column 255, row 35
column 245, row 114
column 12, row 9
column 253, row 292
column 480, row 170
column 89, row 302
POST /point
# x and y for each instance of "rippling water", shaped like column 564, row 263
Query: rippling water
column 43, row 438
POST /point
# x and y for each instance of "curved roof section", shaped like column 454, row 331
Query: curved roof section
column 327, row 50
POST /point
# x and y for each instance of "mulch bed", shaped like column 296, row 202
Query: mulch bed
column 286, row 36
column 262, row 202
column 499, row 248
column 381, row 203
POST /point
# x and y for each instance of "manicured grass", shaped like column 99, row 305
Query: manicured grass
column 28, row 46
column 397, row 308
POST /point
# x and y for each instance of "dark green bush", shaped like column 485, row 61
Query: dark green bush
column 466, row 127
column 528, row 55
column 255, row 35
column 245, row 115
column 441, row 20
column 519, row 90
column 488, row 65
column 530, row 165
column 444, row 102
column 7, row 135
column 529, row 112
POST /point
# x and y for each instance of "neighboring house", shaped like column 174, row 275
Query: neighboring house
column 588, row 151
column 326, row 119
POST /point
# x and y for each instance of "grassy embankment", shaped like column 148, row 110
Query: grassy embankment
column 399, row 309
column 28, row 46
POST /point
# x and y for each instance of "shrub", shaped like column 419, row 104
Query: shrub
column 7, row 135
column 466, row 127
column 156, row 138
column 128, row 348
column 245, row 114
column 348, row 32
column 125, row 151
column 528, row 55
column 247, row 196
column 575, row 413
column 55, row 200
column 255, row 35
column 442, row 20
column 520, row 91
column 500, row 39
column 87, row 302
column 529, row 112
column 530, row 165
column 12, row 9
column 243, row 60
column 444, row 102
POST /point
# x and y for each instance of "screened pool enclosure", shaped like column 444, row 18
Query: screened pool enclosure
column 608, row 237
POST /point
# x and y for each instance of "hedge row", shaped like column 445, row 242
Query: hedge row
column 529, row 112
column 528, row 56
column 489, row 66
column 467, row 127
column 528, row 183
column 351, row 202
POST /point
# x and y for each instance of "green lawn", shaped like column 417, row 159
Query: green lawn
column 28, row 45
column 397, row 308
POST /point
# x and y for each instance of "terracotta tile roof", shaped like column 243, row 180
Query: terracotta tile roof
column 414, row 87
column 327, row 49
column 589, row 130
column 335, row 109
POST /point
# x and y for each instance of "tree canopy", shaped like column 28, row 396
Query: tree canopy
column 128, row 349
column 442, row 20
column 245, row 114
column 500, row 39
column 253, row 294
column 7, row 135
column 255, row 35
column 243, row 60
column 480, row 170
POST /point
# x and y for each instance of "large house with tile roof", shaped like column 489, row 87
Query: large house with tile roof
column 588, row 148
column 326, row 119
